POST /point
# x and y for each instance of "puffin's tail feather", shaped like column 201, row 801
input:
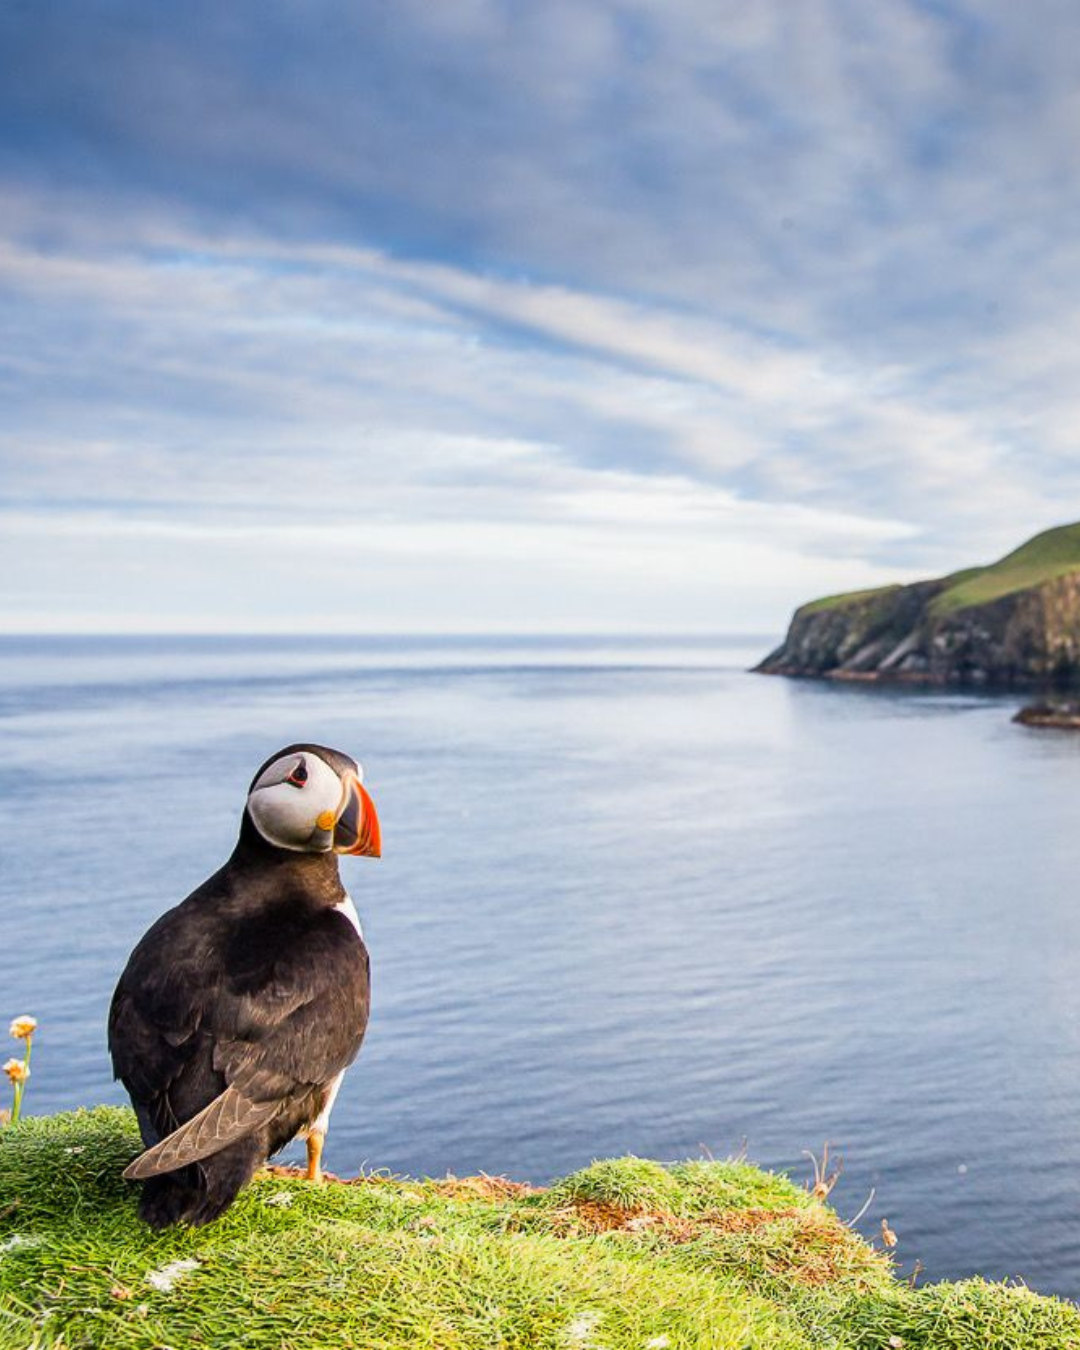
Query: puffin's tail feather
column 201, row 1192
column 172, row 1198
column 228, row 1118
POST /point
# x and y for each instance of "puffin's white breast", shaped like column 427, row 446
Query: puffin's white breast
column 347, row 908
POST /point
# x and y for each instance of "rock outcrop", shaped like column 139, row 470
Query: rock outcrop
column 1015, row 623
column 1060, row 714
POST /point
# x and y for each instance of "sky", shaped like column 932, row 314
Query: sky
column 601, row 315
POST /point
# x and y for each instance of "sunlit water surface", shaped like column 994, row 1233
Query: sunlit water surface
column 632, row 899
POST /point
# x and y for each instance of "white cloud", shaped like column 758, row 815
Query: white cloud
column 625, row 561
column 252, row 400
column 347, row 352
column 666, row 290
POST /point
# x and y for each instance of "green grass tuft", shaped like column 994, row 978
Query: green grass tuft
column 735, row 1185
column 625, row 1183
column 625, row 1253
column 958, row 1316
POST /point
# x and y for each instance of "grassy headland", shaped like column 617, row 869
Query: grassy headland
column 1053, row 553
column 625, row 1253
column 1015, row 623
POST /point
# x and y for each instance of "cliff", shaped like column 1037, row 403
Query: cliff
column 1015, row 622
column 622, row 1254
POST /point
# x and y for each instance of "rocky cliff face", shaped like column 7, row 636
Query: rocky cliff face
column 1028, row 637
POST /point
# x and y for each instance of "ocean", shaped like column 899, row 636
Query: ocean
column 633, row 899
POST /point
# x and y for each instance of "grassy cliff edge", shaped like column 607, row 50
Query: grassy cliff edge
column 623, row 1253
column 1015, row 622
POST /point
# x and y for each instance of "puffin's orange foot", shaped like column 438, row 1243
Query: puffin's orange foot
column 315, row 1142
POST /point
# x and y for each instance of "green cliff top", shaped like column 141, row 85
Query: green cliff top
column 1050, row 554
column 1053, row 553
column 622, row 1254
column 845, row 598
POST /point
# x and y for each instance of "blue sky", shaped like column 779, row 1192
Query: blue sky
column 496, row 316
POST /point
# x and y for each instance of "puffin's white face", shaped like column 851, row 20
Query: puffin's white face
column 299, row 802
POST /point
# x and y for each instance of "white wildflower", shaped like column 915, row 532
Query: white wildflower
column 18, row 1240
column 164, row 1279
column 580, row 1330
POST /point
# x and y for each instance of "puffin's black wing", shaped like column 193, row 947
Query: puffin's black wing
column 300, row 1018
column 280, row 1010
column 161, row 1018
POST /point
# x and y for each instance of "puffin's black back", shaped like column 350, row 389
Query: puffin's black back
column 255, row 981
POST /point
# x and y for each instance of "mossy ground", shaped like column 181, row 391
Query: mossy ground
column 624, row 1253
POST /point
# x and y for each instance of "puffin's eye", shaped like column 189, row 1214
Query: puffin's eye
column 299, row 775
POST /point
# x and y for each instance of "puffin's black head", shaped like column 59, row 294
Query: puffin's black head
column 309, row 799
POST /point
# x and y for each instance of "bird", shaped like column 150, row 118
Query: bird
column 240, row 1009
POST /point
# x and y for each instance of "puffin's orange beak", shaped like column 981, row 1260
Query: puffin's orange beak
column 357, row 826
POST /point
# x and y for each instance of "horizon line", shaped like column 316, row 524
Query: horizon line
column 394, row 634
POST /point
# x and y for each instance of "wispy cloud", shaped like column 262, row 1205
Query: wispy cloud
column 589, row 313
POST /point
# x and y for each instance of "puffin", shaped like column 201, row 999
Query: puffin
column 240, row 1009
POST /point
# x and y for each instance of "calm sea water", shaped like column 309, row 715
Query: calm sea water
column 633, row 899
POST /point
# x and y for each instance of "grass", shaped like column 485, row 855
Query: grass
column 625, row 1253
column 1053, row 553
column 845, row 598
